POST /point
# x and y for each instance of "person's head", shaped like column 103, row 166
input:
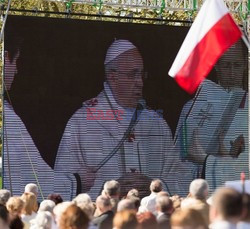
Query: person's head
column 124, row 72
column 15, row 222
column 112, row 188
column 47, row 205
column 199, row 189
column 176, row 202
column 227, row 205
column 147, row 220
column 15, row 205
column 4, row 196
column 4, row 216
column 31, row 188
column 55, row 197
column 164, row 204
column 103, row 204
column 156, row 186
column 43, row 220
column 187, row 219
column 73, row 218
column 126, row 204
column 30, row 203
column 84, row 202
column 231, row 67
column 59, row 210
column 125, row 220
column 136, row 201
column 133, row 192
column 163, row 193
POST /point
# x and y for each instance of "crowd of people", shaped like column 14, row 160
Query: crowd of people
column 225, row 209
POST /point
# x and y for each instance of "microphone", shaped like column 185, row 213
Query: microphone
column 139, row 108
column 141, row 104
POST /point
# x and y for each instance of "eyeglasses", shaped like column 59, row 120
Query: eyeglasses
column 133, row 74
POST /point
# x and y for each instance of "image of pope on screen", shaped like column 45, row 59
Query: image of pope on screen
column 114, row 135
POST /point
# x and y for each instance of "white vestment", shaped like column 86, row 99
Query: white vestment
column 218, row 169
column 93, row 132
column 23, row 163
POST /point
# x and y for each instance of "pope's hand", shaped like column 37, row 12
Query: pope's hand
column 237, row 146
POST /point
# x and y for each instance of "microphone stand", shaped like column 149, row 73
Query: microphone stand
column 132, row 123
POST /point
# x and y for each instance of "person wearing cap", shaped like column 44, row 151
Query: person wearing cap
column 114, row 134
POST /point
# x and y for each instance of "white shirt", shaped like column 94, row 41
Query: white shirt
column 148, row 203
column 222, row 225
column 243, row 225
column 27, row 218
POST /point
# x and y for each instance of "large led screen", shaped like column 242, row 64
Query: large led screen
column 90, row 101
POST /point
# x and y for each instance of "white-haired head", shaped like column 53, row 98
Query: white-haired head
column 199, row 189
column 84, row 202
column 164, row 204
column 4, row 196
column 126, row 204
column 82, row 198
column 112, row 188
column 133, row 192
column 47, row 205
column 156, row 186
column 31, row 188
column 103, row 204
column 43, row 220
column 116, row 49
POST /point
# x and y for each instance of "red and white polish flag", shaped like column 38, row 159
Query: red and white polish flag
column 211, row 34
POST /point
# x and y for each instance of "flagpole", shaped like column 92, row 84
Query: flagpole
column 242, row 177
column 246, row 41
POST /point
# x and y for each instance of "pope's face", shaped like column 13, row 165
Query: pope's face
column 126, row 80
column 231, row 68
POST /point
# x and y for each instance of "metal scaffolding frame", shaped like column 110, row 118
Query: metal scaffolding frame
column 235, row 6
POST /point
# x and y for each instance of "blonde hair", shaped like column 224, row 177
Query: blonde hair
column 15, row 205
column 73, row 218
column 30, row 203
column 188, row 217
column 125, row 220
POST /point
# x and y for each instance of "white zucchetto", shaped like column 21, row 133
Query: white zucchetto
column 117, row 48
